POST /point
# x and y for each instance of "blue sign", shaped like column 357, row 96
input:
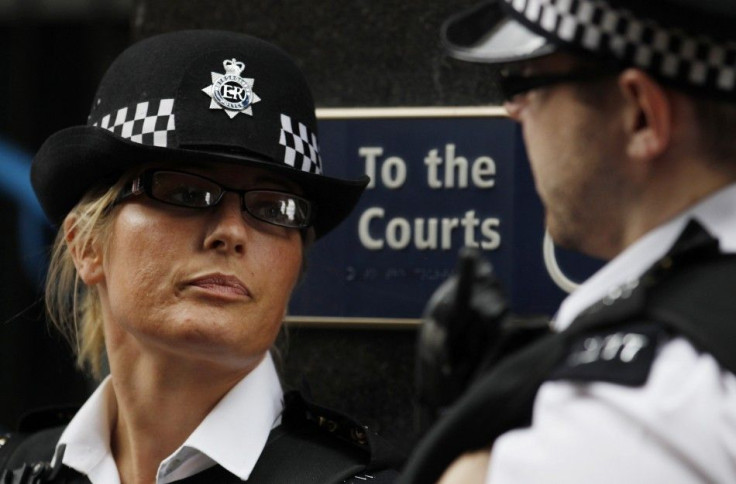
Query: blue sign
column 439, row 182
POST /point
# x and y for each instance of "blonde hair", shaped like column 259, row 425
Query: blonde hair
column 73, row 307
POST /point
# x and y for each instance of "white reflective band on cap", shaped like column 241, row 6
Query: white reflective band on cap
column 300, row 146
column 671, row 53
column 148, row 123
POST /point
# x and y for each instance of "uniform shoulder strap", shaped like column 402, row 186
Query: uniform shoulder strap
column 9, row 442
column 689, row 291
column 26, row 459
column 700, row 303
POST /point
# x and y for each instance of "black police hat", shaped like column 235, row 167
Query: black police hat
column 690, row 44
column 191, row 97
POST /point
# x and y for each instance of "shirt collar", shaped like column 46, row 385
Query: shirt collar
column 232, row 435
column 87, row 439
column 717, row 213
column 235, row 432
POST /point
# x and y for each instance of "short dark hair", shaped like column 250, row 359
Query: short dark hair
column 715, row 118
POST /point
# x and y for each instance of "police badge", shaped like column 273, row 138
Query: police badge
column 231, row 92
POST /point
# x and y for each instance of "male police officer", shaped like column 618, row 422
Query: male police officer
column 628, row 116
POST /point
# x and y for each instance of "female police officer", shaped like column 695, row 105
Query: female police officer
column 185, row 207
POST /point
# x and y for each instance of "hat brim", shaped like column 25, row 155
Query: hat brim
column 77, row 158
column 487, row 34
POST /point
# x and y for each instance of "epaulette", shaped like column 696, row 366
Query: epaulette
column 26, row 455
column 622, row 355
column 300, row 411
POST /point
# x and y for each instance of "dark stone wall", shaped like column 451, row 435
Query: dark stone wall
column 355, row 53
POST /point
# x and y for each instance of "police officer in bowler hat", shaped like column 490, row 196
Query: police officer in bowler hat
column 628, row 112
column 185, row 209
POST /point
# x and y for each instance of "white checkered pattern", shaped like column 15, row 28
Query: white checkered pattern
column 300, row 146
column 597, row 26
column 147, row 123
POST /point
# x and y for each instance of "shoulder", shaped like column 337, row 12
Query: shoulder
column 29, row 455
column 387, row 476
column 32, row 448
column 37, row 436
column 303, row 415
column 672, row 378
column 325, row 444
column 678, row 423
column 622, row 354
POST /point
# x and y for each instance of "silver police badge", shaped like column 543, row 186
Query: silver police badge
column 231, row 92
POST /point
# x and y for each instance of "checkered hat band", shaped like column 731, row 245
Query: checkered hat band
column 672, row 54
column 148, row 123
column 300, row 146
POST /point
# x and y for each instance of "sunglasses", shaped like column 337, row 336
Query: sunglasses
column 512, row 84
column 187, row 190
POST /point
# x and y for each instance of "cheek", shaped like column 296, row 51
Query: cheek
column 557, row 157
column 277, row 272
column 281, row 267
column 544, row 159
column 138, row 260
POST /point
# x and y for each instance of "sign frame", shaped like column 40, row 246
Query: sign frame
column 387, row 113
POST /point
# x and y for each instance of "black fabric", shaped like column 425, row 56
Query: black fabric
column 26, row 458
column 303, row 413
column 380, row 477
column 688, row 292
column 46, row 418
column 296, row 455
column 498, row 402
column 314, row 445
column 621, row 355
column 32, row 448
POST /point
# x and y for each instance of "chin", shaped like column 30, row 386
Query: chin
column 560, row 234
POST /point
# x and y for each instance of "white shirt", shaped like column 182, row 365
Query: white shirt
column 679, row 428
column 232, row 435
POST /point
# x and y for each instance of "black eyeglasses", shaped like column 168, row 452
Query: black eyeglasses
column 194, row 191
column 512, row 84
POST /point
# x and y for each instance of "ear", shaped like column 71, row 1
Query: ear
column 86, row 255
column 648, row 117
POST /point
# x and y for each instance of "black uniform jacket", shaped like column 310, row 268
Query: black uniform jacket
column 313, row 445
column 689, row 292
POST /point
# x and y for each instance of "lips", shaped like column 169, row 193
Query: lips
column 221, row 284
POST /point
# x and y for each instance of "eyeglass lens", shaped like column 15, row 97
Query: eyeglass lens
column 193, row 191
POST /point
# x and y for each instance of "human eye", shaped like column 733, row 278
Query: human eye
column 184, row 190
column 278, row 208
column 190, row 196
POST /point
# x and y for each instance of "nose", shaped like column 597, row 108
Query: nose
column 228, row 230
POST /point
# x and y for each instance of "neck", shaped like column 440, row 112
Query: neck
column 158, row 402
column 674, row 189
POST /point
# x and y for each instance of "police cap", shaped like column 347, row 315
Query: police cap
column 690, row 44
